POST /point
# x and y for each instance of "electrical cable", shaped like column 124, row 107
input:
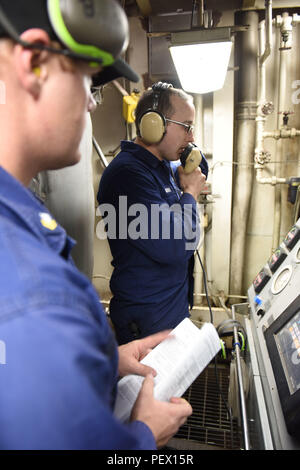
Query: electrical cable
column 215, row 358
column 205, row 287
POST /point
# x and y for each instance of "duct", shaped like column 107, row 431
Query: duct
column 245, row 143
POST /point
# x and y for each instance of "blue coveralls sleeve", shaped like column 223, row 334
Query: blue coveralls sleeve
column 57, row 385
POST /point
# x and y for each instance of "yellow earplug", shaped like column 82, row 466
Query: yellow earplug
column 37, row 71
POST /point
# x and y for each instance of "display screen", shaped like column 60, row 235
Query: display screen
column 288, row 344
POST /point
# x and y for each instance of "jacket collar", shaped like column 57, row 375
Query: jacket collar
column 20, row 205
column 140, row 153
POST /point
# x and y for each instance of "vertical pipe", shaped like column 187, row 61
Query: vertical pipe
column 240, row 382
column 245, row 142
column 281, row 103
column 198, row 276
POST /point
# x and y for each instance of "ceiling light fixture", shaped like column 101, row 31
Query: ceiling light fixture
column 201, row 58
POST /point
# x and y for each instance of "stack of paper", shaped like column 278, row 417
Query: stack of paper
column 178, row 361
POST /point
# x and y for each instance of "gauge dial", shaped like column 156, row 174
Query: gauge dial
column 281, row 280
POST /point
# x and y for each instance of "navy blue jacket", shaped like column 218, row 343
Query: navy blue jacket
column 58, row 371
column 152, row 281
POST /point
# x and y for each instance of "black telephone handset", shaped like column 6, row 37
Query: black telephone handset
column 190, row 158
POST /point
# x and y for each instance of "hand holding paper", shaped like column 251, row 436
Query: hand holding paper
column 177, row 360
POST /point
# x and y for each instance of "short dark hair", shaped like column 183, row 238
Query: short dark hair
column 164, row 103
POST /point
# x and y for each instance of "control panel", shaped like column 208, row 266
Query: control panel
column 276, row 275
column 274, row 300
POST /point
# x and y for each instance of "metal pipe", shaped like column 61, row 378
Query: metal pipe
column 100, row 153
column 268, row 38
column 273, row 180
column 281, row 108
column 198, row 134
column 264, row 108
column 244, row 143
column 119, row 88
column 201, row 13
column 283, row 133
column 240, row 382
column 261, row 83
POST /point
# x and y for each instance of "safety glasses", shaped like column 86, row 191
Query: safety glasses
column 189, row 128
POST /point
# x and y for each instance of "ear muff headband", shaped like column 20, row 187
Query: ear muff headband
column 152, row 125
column 64, row 35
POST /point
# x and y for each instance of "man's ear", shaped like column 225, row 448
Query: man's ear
column 30, row 64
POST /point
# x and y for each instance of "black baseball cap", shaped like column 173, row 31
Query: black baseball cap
column 94, row 30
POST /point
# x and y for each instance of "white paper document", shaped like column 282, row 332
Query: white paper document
column 178, row 361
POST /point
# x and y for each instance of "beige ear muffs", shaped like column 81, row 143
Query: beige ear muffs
column 152, row 127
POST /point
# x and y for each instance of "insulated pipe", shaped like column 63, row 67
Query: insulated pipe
column 286, row 30
column 264, row 107
column 283, row 133
column 273, row 180
column 244, row 142
column 281, row 108
column 268, row 27
column 198, row 134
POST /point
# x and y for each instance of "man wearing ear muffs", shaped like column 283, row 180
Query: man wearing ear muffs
column 152, row 281
column 60, row 364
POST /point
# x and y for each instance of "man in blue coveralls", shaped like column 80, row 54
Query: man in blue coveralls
column 58, row 384
column 152, row 281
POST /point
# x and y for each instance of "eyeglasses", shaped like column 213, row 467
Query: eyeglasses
column 189, row 128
